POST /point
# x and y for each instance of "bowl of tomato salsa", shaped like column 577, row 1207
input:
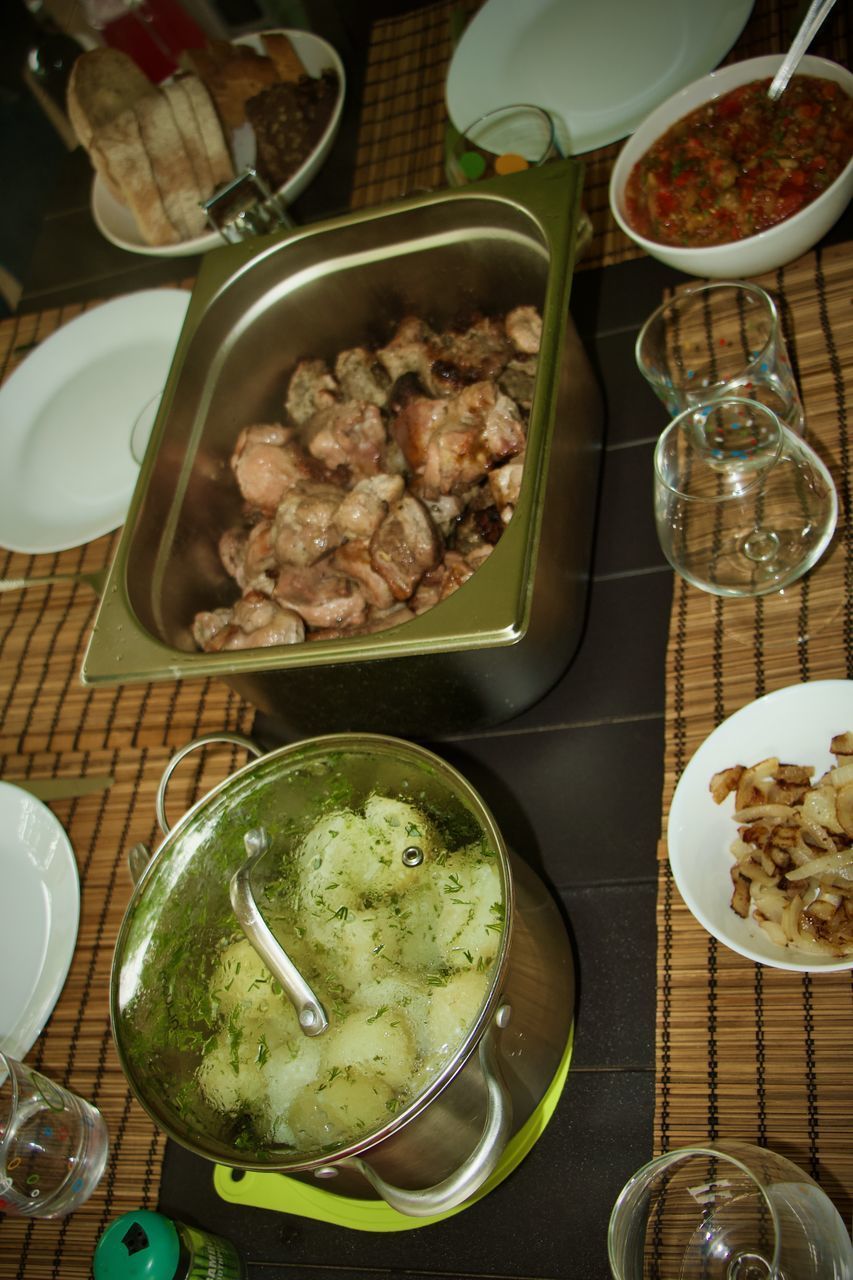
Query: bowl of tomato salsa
column 719, row 181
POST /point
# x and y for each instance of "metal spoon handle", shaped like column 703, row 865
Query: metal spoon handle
column 815, row 15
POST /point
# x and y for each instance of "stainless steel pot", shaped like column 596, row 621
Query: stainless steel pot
column 440, row 1148
column 493, row 647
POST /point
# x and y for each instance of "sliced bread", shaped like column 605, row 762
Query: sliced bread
column 118, row 149
column 170, row 165
column 103, row 83
column 232, row 75
column 279, row 48
column 218, row 154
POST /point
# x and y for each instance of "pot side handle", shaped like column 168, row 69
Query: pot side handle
column 483, row 1160
column 236, row 739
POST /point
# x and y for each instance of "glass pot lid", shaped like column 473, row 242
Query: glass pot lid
column 382, row 876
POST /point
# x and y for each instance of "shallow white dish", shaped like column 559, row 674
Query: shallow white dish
column 42, row 896
column 66, row 418
column 599, row 67
column 769, row 249
column 796, row 724
column 117, row 223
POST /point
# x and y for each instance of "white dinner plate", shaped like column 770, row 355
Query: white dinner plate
column 67, row 414
column 796, row 724
column 116, row 222
column 600, row 66
column 41, row 893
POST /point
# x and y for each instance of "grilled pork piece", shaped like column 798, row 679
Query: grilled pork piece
column 267, row 462
column 321, row 596
column 524, row 329
column 446, row 362
column 304, row 527
column 405, row 546
column 351, row 434
column 253, row 622
column 311, row 387
column 363, row 509
column 362, row 377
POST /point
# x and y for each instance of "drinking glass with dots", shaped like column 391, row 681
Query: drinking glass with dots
column 53, row 1145
column 719, row 340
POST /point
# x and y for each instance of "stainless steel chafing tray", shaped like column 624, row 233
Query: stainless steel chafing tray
column 504, row 638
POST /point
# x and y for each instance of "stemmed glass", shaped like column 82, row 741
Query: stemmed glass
column 726, row 1211
column 743, row 506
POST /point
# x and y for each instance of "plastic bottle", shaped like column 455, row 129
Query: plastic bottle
column 144, row 1245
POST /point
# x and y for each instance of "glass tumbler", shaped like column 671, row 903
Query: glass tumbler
column 508, row 140
column 726, row 1211
column 743, row 507
column 719, row 340
column 53, row 1145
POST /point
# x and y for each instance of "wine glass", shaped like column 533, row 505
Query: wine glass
column 743, row 506
column 726, row 1211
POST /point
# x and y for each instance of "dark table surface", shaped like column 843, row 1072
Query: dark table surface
column 575, row 783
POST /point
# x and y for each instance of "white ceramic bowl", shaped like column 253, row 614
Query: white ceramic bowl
column 117, row 224
column 769, row 249
column 796, row 724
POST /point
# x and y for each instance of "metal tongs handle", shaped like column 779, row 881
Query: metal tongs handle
column 246, row 207
column 312, row 1016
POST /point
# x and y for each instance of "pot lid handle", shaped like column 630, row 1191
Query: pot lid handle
column 311, row 1015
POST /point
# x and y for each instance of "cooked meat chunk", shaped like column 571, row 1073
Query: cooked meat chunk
column 267, row 462
column 363, row 509
column 348, row 434
column 254, row 621
column 482, row 429
column 377, row 620
column 414, row 426
column 444, row 509
column 311, row 388
column 505, row 484
column 518, row 379
column 322, row 597
column 304, row 527
column 475, row 354
column 524, row 328
column 405, row 546
column 446, row 362
column 353, row 559
column 412, row 350
column 248, row 555
column 362, row 377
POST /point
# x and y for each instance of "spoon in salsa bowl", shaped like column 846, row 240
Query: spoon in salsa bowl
column 811, row 24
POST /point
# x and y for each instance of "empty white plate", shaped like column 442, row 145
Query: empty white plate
column 41, row 892
column 67, row 415
column 599, row 65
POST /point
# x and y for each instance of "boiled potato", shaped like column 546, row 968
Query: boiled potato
column 452, row 1011
column 342, row 1107
column 379, row 1042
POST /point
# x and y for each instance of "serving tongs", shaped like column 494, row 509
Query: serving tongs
column 246, row 207
column 309, row 1011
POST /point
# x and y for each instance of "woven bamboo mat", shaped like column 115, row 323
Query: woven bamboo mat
column 50, row 726
column 744, row 1050
column 401, row 138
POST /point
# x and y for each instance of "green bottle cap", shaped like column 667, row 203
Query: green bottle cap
column 138, row 1246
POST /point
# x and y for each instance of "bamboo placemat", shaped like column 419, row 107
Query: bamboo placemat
column 403, row 120
column 50, row 726
column 744, row 1050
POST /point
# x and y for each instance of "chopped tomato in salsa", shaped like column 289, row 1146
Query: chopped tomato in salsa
column 741, row 163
